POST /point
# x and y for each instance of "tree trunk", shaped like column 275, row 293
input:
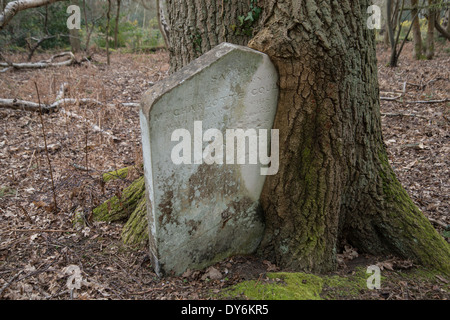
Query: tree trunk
column 108, row 20
column 162, row 22
column 74, row 38
column 430, row 30
column 389, row 36
column 448, row 20
column 417, row 36
column 199, row 25
column 116, row 27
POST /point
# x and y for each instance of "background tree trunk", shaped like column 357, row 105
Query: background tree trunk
column 116, row 27
column 448, row 20
column 430, row 30
column 417, row 36
column 74, row 37
column 108, row 20
column 162, row 21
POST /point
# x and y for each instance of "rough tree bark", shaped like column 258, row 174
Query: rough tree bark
column 334, row 184
column 197, row 26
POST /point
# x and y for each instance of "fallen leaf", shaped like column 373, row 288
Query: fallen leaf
column 212, row 273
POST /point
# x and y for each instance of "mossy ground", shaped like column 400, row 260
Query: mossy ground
column 353, row 286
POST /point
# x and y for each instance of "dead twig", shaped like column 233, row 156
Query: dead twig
column 391, row 98
column 25, row 276
column 145, row 291
column 391, row 114
column 440, row 223
column 10, row 282
column 395, row 99
column 42, row 230
column 424, row 85
column 429, row 101
column 46, row 151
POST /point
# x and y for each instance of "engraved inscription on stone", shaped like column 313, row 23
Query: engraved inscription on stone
column 200, row 213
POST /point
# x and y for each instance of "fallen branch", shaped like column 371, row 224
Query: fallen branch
column 13, row 7
column 441, row 30
column 389, row 114
column 391, row 98
column 439, row 223
column 93, row 126
column 429, row 101
column 395, row 99
column 16, row 104
column 34, row 47
column 10, row 282
column 60, row 99
column 422, row 86
column 131, row 104
column 42, row 230
column 41, row 64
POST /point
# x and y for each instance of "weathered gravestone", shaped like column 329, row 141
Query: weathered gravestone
column 202, row 173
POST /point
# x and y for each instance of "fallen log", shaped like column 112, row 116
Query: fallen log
column 16, row 104
column 41, row 64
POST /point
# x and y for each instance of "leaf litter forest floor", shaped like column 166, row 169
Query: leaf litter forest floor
column 37, row 246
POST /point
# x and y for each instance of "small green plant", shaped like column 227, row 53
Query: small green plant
column 6, row 191
column 196, row 39
column 246, row 22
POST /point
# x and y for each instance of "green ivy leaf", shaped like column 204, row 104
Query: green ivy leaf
column 249, row 17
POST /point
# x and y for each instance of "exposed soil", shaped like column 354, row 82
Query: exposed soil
column 38, row 243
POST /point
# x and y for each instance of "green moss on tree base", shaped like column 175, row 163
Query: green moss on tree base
column 406, row 229
column 119, row 173
column 135, row 231
column 116, row 174
column 120, row 208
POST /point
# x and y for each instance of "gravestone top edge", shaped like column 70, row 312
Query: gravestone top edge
column 152, row 95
